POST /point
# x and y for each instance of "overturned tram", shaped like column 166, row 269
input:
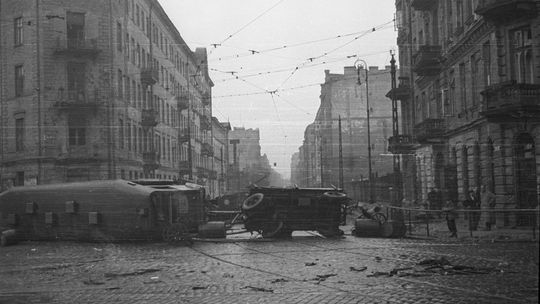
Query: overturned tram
column 105, row 210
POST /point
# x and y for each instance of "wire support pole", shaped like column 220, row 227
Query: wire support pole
column 359, row 63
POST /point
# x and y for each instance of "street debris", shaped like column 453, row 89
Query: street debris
column 92, row 282
column 322, row 277
column 363, row 268
column 132, row 273
column 311, row 264
column 279, row 281
column 228, row 275
column 439, row 266
column 258, row 289
column 378, row 259
column 199, row 287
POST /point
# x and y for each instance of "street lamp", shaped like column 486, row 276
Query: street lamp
column 359, row 63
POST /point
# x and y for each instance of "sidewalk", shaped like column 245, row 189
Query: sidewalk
column 439, row 229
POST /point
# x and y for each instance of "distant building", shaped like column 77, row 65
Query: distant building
column 100, row 89
column 220, row 165
column 248, row 166
column 470, row 99
column 342, row 97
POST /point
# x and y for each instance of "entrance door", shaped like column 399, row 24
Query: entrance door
column 526, row 178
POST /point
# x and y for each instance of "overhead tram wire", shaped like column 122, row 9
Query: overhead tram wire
column 335, row 49
column 245, row 26
column 251, row 52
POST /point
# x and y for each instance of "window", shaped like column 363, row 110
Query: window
column 119, row 37
column 463, row 86
column 521, row 50
column 76, row 81
column 75, row 29
column 19, row 134
column 486, row 57
column 121, row 133
column 19, row 80
column 18, row 31
column 77, row 133
column 119, row 84
column 128, row 125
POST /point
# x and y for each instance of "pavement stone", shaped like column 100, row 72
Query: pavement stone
column 304, row 269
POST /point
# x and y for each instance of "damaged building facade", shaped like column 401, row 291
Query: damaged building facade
column 470, row 101
column 101, row 89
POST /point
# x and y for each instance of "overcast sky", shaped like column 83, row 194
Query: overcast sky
column 281, row 46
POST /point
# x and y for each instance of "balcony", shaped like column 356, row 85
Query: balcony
column 151, row 161
column 207, row 149
column 222, row 177
column 424, row 5
column 206, row 99
column 205, row 123
column 500, row 11
column 212, row 174
column 149, row 76
column 149, row 118
column 183, row 102
column 77, row 48
column 184, row 136
column 80, row 101
column 403, row 90
column 510, row 101
column 401, row 144
column 202, row 172
column 184, row 167
column 431, row 130
column 427, row 60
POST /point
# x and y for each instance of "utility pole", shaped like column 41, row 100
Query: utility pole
column 395, row 131
column 321, row 161
column 340, row 155
column 235, row 142
column 358, row 64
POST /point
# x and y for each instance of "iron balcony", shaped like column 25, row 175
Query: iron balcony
column 431, row 130
column 510, row 101
column 499, row 11
column 427, row 60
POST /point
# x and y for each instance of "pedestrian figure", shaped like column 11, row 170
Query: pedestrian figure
column 451, row 215
column 487, row 203
column 435, row 200
column 472, row 202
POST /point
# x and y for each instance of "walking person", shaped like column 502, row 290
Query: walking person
column 472, row 202
column 487, row 203
column 451, row 215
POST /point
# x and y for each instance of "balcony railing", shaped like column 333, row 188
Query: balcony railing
column 77, row 47
column 205, row 123
column 184, row 167
column 207, row 149
column 202, row 172
column 83, row 101
column 151, row 160
column 184, row 136
column 401, row 144
column 506, row 10
column 427, row 60
column 403, row 91
column 424, row 5
column 183, row 102
column 149, row 76
column 430, row 130
column 510, row 101
column 149, row 118
column 206, row 98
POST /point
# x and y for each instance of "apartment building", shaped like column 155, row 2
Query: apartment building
column 344, row 102
column 470, row 99
column 100, row 89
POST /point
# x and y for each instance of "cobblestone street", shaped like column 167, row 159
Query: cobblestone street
column 304, row 269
